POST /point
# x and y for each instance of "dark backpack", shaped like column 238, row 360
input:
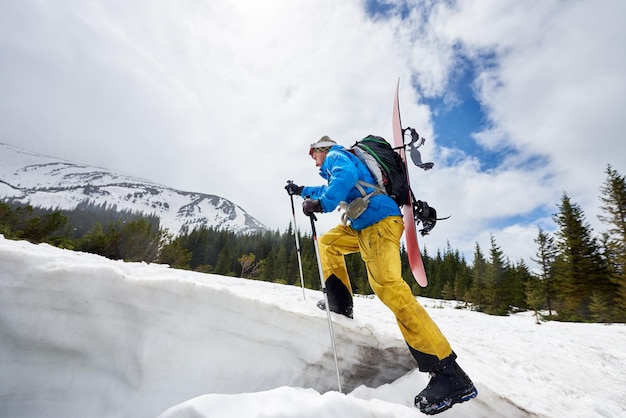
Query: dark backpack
column 386, row 166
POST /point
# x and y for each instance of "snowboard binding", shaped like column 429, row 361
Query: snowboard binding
column 425, row 214
column 416, row 142
column 422, row 212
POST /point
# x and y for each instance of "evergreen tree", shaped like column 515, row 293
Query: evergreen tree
column 137, row 241
column 280, row 268
column 496, row 301
column 613, row 198
column 463, row 279
column 8, row 219
column 599, row 308
column 198, row 244
column 449, row 272
column 269, row 273
column 518, row 277
column 578, row 268
column 535, row 295
column 447, row 292
column 436, row 275
column 452, row 274
column 132, row 241
column 224, row 262
column 28, row 223
column 293, row 269
column 545, row 257
column 173, row 254
column 95, row 242
column 479, row 293
column 38, row 229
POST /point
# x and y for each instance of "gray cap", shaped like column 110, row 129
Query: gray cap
column 323, row 144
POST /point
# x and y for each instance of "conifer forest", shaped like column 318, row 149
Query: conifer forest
column 580, row 274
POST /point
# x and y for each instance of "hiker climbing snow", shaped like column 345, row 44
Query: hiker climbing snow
column 374, row 229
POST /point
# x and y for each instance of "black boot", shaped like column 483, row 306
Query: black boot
column 346, row 311
column 447, row 386
column 339, row 297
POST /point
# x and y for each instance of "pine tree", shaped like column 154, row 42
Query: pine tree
column 613, row 198
column 479, row 293
column 293, row 268
column 535, row 296
column 545, row 257
column 599, row 308
column 137, row 241
column 94, row 242
column 173, row 254
column 496, row 281
column 280, row 266
column 463, row 279
column 578, row 267
column 517, row 278
column 436, row 276
column 224, row 261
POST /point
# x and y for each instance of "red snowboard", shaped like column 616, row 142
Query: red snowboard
column 410, row 232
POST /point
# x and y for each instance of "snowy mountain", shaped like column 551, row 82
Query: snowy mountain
column 48, row 182
column 85, row 336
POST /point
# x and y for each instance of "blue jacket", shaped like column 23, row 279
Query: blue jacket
column 342, row 169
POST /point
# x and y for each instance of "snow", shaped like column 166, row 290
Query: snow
column 81, row 335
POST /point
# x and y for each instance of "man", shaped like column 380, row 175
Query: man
column 374, row 230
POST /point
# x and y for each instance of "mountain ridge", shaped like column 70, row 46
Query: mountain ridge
column 49, row 182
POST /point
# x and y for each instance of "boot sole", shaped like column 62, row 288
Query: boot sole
column 446, row 403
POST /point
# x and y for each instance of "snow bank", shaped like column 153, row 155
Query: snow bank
column 81, row 336
column 87, row 336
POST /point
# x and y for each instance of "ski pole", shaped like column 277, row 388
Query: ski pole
column 295, row 232
column 324, row 291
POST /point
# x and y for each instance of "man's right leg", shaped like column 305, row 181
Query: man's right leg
column 334, row 245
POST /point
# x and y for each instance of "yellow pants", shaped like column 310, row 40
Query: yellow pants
column 379, row 246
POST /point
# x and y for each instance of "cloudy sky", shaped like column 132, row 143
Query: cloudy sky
column 520, row 101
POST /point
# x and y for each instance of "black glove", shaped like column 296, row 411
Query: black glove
column 293, row 188
column 309, row 206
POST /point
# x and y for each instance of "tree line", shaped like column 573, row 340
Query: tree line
column 99, row 229
column 580, row 276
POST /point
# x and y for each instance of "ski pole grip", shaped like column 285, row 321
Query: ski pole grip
column 313, row 219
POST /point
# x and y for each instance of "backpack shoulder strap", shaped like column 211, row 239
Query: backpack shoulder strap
column 373, row 166
column 360, row 184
